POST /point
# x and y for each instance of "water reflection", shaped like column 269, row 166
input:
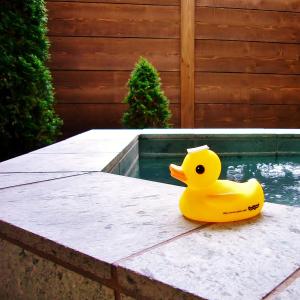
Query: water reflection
column 279, row 176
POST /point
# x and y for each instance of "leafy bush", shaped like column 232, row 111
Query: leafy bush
column 27, row 118
column 148, row 106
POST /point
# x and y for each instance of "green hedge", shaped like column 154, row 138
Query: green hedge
column 148, row 106
column 27, row 117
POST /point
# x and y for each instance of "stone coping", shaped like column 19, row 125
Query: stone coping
column 128, row 233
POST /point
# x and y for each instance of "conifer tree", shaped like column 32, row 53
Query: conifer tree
column 27, row 117
column 148, row 106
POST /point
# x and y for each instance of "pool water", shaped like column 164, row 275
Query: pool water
column 279, row 176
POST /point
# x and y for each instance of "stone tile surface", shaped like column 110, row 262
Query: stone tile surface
column 292, row 292
column 94, row 150
column 240, row 260
column 56, row 162
column 14, row 179
column 94, row 141
column 125, row 297
column 145, row 287
column 54, row 251
column 25, row 275
column 104, row 216
column 92, row 220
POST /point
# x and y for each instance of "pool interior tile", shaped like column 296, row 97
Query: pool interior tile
column 115, row 169
column 129, row 159
column 220, row 144
column 160, row 146
column 240, row 145
column 288, row 145
column 239, row 260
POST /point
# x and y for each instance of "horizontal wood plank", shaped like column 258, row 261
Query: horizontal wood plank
column 113, row 20
column 247, row 88
column 247, row 116
column 104, row 86
column 279, row 5
column 139, row 2
column 247, row 25
column 249, row 57
column 85, row 53
column 81, row 117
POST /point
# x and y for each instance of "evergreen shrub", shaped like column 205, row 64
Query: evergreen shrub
column 148, row 107
column 27, row 117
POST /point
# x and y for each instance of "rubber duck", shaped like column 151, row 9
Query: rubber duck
column 211, row 200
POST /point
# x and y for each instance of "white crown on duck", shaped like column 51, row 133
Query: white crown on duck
column 197, row 149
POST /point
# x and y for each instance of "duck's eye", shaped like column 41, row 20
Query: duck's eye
column 200, row 169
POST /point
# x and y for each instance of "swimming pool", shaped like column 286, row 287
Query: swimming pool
column 279, row 175
column 274, row 160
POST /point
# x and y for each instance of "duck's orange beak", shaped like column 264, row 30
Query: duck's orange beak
column 177, row 172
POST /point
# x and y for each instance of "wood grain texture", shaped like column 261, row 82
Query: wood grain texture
column 244, row 115
column 247, row 25
column 247, row 60
column 278, row 5
column 85, row 53
column 82, row 117
column 113, row 20
column 104, row 86
column 187, row 67
column 139, row 2
column 247, row 88
column 249, row 57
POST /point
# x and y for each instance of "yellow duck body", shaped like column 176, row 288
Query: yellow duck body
column 211, row 200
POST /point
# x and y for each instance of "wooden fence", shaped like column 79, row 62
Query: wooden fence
column 223, row 63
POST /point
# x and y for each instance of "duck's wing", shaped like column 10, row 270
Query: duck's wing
column 225, row 194
column 226, row 188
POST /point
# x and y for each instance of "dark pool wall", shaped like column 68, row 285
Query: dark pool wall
column 225, row 144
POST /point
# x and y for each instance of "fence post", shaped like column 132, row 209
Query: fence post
column 187, row 64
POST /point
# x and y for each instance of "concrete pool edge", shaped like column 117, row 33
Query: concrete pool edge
column 225, row 142
column 126, row 266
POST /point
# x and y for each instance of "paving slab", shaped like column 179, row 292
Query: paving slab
column 94, row 141
column 239, row 260
column 104, row 216
column 15, row 179
column 292, row 292
column 95, row 150
column 97, row 223
column 57, row 162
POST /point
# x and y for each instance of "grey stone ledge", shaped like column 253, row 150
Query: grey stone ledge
column 97, row 220
column 238, row 260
